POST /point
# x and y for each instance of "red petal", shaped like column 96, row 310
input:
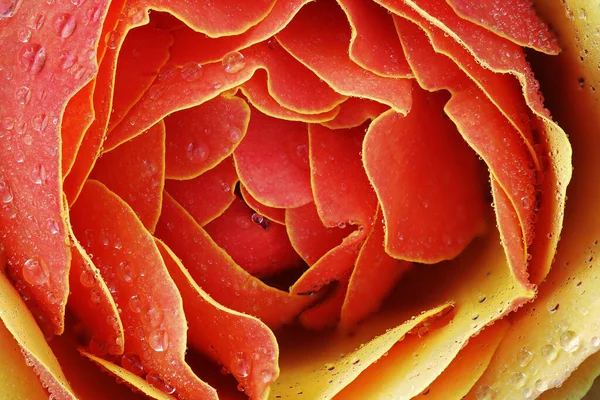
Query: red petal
column 144, row 52
column 281, row 178
column 515, row 20
column 249, row 352
column 354, row 112
column 78, row 116
column 150, row 304
column 342, row 191
column 135, row 172
column 207, row 196
column 308, row 38
column 434, row 202
column 34, row 92
column 200, row 138
column 252, row 241
column 375, row 275
column 309, row 237
column 219, row 275
column 274, row 214
column 257, row 93
column 374, row 45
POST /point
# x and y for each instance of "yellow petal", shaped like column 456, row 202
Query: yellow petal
column 578, row 384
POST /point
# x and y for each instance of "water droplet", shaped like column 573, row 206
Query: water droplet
column 37, row 21
column 9, row 8
column 518, row 379
column 38, row 175
column 40, row 122
column 35, row 272
column 53, row 226
column 67, row 59
column 95, row 297
column 524, row 357
column 6, row 194
column 191, row 71
column 541, row 385
column 549, row 352
column 134, row 304
column 485, row 392
column 112, row 40
column 481, row 298
column 569, row 341
column 260, row 220
column 197, row 152
column 64, row 25
column 77, row 3
column 152, row 316
column 159, row 340
column 239, row 365
column 19, row 156
column 552, row 306
column 23, row 95
column 125, row 272
column 153, row 379
column 118, row 243
column 87, row 278
column 234, row 134
column 8, row 123
column 33, row 58
column 28, row 139
column 24, row 35
column 89, row 237
column 233, row 62
column 527, row 392
column 132, row 363
column 136, row 15
column 266, row 376
column 342, row 225
column 93, row 14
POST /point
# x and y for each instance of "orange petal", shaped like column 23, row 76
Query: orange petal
column 274, row 214
column 374, row 44
column 308, row 39
column 144, row 51
column 515, row 20
column 374, row 276
column 132, row 266
column 282, row 178
column 135, row 172
column 434, row 203
column 354, row 112
column 341, row 188
column 207, row 196
column 78, row 116
column 249, row 352
column 199, row 138
column 33, row 99
column 228, row 284
column 252, row 241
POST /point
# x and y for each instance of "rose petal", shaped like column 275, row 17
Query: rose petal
column 578, row 384
column 308, row 39
column 207, row 196
column 216, row 273
column 374, row 44
column 151, row 308
column 257, row 92
column 434, row 202
column 259, row 247
column 273, row 214
column 33, row 99
column 201, row 137
column 249, row 352
column 142, row 55
column 135, row 172
column 282, row 178
column 515, row 20
column 454, row 382
column 78, row 116
column 354, row 112
column 341, row 188
column 309, row 237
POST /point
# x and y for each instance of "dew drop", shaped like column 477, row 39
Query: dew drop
column 9, row 8
column 260, row 220
column 158, row 340
column 53, row 226
column 125, row 272
column 239, row 365
column 132, row 363
column 112, row 40
column 541, row 385
column 485, row 392
column 95, row 297
column 77, row 3
column 67, row 59
column 37, row 21
column 23, row 95
column 153, row 379
column 39, row 122
column 33, row 58
column 233, row 62
column 134, row 304
column 6, row 194
column 87, row 278
column 152, row 316
column 342, row 225
column 197, row 152
column 234, row 134
column 518, row 379
column 266, row 376
column 8, row 123
column 136, row 15
column 38, row 175
column 35, row 272
column 64, row 25
column 191, row 71
column 569, row 341
column 24, row 35
column 524, row 357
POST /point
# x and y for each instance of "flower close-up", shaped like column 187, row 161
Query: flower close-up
column 299, row 199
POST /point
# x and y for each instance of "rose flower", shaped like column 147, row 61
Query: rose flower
column 347, row 199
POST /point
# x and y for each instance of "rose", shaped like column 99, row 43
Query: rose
column 134, row 270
